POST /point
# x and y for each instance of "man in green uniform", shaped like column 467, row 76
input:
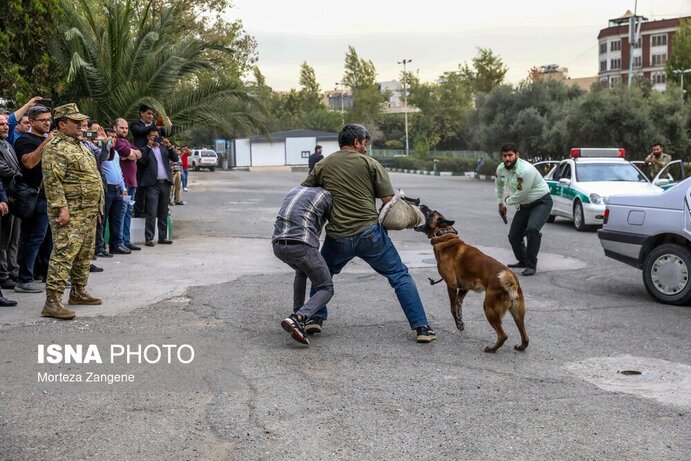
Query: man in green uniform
column 657, row 159
column 530, row 194
column 74, row 190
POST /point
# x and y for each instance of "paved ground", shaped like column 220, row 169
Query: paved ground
column 364, row 389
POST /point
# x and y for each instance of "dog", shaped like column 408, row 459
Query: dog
column 464, row 268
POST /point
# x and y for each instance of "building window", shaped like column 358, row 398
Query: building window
column 659, row 59
column 658, row 77
column 658, row 40
column 603, row 48
column 614, row 81
column 615, row 46
column 615, row 64
column 638, row 61
column 639, row 43
column 603, row 66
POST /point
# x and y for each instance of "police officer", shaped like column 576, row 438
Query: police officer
column 530, row 193
column 657, row 159
column 74, row 190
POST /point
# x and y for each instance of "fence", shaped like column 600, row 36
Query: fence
column 389, row 153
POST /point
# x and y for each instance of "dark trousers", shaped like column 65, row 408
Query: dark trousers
column 34, row 230
column 307, row 262
column 527, row 223
column 112, row 211
column 157, row 197
column 9, row 246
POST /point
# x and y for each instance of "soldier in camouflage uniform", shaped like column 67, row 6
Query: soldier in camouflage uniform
column 74, row 190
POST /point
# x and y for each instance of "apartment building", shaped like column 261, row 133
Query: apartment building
column 650, row 53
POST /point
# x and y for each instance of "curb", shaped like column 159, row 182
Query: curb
column 465, row 175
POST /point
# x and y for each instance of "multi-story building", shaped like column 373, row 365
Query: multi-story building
column 649, row 54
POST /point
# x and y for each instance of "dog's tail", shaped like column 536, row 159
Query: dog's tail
column 509, row 283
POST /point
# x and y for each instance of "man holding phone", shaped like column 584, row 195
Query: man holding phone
column 156, row 180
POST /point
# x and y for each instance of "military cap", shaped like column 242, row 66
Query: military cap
column 70, row 111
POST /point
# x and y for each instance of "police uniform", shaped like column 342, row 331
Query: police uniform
column 71, row 179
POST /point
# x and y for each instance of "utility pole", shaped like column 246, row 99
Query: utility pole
column 342, row 114
column 682, row 72
column 405, row 102
column 634, row 34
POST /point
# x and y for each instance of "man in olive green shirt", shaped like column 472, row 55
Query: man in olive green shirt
column 530, row 194
column 657, row 159
column 355, row 181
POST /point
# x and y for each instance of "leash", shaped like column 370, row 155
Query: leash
column 432, row 282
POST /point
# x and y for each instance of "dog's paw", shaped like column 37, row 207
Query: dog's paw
column 490, row 350
column 460, row 326
column 520, row 347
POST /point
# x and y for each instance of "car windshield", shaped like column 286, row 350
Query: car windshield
column 591, row 172
column 208, row 153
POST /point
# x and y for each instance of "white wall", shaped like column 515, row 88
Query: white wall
column 295, row 147
column 242, row 152
column 329, row 147
column 267, row 154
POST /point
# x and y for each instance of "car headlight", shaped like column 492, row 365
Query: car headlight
column 596, row 199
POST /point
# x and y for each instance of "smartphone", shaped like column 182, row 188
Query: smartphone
column 158, row 139
column 91, row 134
column 46, row 102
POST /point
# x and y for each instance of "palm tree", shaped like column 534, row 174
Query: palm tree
column 118, row 56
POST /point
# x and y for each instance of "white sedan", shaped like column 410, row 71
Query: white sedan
column 581, row 184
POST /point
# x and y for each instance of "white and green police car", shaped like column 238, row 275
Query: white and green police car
column 581, row 184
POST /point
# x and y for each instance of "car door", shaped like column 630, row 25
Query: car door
column 548, row 168
column 563, row 200
column 670, row 175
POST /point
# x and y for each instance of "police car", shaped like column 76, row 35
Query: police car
column 581, row 184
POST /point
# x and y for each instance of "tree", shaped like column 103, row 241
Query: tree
column 27, row 67
column 487, row 72
column 310, row 92
column 681, row 54
column 116, row 59
column 361, row 76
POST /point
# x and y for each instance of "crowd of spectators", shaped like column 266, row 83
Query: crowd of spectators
column 143, row 172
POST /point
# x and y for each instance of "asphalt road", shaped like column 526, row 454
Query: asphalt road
column 364, row 389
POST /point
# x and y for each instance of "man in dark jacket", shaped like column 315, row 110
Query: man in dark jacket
column 316, row 157
column 156, row 180
column 8, row 165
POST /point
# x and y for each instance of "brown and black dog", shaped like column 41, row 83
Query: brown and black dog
column 464, row 268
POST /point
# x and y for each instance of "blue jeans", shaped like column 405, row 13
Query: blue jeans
column 127, row 211
column 113, row 212
column 184, row 177
column 374, row 246
column 34, row 230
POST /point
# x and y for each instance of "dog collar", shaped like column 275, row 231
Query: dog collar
column 448, row 230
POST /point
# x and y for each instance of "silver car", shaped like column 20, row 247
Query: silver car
column 653, row 232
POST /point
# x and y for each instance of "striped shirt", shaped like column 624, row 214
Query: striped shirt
column 303, row 215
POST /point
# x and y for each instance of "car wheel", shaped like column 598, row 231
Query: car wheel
column 578, row 218
column 551, row 218
column 666, row 274
column 212, row 169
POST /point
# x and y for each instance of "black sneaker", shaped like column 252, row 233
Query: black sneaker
column 425, row 334
column 517, row 265
column 294, row 326
column 313, row 325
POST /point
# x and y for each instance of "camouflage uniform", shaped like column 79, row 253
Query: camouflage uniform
column 71, row 179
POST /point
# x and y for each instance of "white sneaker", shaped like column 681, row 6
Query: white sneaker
column 185, row 189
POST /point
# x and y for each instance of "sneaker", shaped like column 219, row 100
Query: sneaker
column 8, row 284
column 528, row 271
column 425, row 334
column 294, row 326
column 185, row 189
column 103, row 254
column 95, row 268
column 132, row 246
column 517, row 265
column 28, row 287
column 313, row 325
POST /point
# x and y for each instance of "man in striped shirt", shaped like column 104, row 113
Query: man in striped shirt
column 296, row 242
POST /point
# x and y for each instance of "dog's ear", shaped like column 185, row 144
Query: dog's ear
column 445, row 223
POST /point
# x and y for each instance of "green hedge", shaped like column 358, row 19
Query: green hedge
column 456, row 165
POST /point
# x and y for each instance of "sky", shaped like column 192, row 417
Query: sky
column 437, row 35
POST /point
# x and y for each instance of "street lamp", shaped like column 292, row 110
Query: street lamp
column 682, row 72
column 405, row 102
column 342, row 116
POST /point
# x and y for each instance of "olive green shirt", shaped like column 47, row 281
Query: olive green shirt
column 665, row 158
column 355, row 181
column 70, row 177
